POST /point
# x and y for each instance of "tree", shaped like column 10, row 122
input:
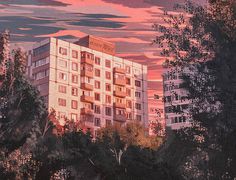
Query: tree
column 206, row 43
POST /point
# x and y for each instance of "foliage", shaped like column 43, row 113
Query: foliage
column 206, row 44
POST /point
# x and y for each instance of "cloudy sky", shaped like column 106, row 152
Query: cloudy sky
column 127, row 23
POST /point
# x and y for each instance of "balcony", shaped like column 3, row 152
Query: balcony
column 119, row 93
column 120, row 118
column 87, row 73
column 121, row 82
column 86, row 86
column 88, row 99
column 87, row 58
column 119, row 105
column 119, row 70
column 86, row 111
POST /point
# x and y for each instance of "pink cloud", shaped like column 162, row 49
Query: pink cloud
column 75, row 33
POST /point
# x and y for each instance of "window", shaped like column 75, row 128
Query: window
column 108, row 122
column 97, row 60
column 61, row 102
column 74, row 104
column 62, row 89
column 97, row 72
column 41, row 74
column 108, row 87
column 97, row 84
column 63, row 76
column 74, row 66
column 120, row 76
column 108, row 63
column 108, row 99
column 128, row 104
column 74, row 91
column 74, row 78
column 129, row 115
column 120, row 111
column 137, row 83
column 108, row 75
column 63, row 51
column 108, row 111
column 74, row 117
column 128, row 92
column 61, row 115
column 97, row 122
column 41, row 49
column 138, row 117
column 97, row 96
column 75, row 54
column 41, row 62
column 138, row 106
column 127, row 68
column 128, row 81
column 97, row 109
column 137, row 94
column 62, row 63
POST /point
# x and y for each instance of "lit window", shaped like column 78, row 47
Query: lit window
column 74, row 104
column 62, row 76
column 74, row 117
column 61, row 102
column 62, row 89
column 74, row 66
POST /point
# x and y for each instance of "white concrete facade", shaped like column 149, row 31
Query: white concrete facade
column 88, row 86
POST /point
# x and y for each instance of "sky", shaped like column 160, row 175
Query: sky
column 127, row 23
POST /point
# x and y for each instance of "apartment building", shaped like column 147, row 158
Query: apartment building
column 176, row 105
column 85, row 82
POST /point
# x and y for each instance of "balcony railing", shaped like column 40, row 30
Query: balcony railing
column 119, row 70
column 86, row 86
column 119, row 93
column 87, row 73
column 120, row 118
column 88, row 99
column 86, row 58
column 121, row 82
column 119, row 105
column 86, row 111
